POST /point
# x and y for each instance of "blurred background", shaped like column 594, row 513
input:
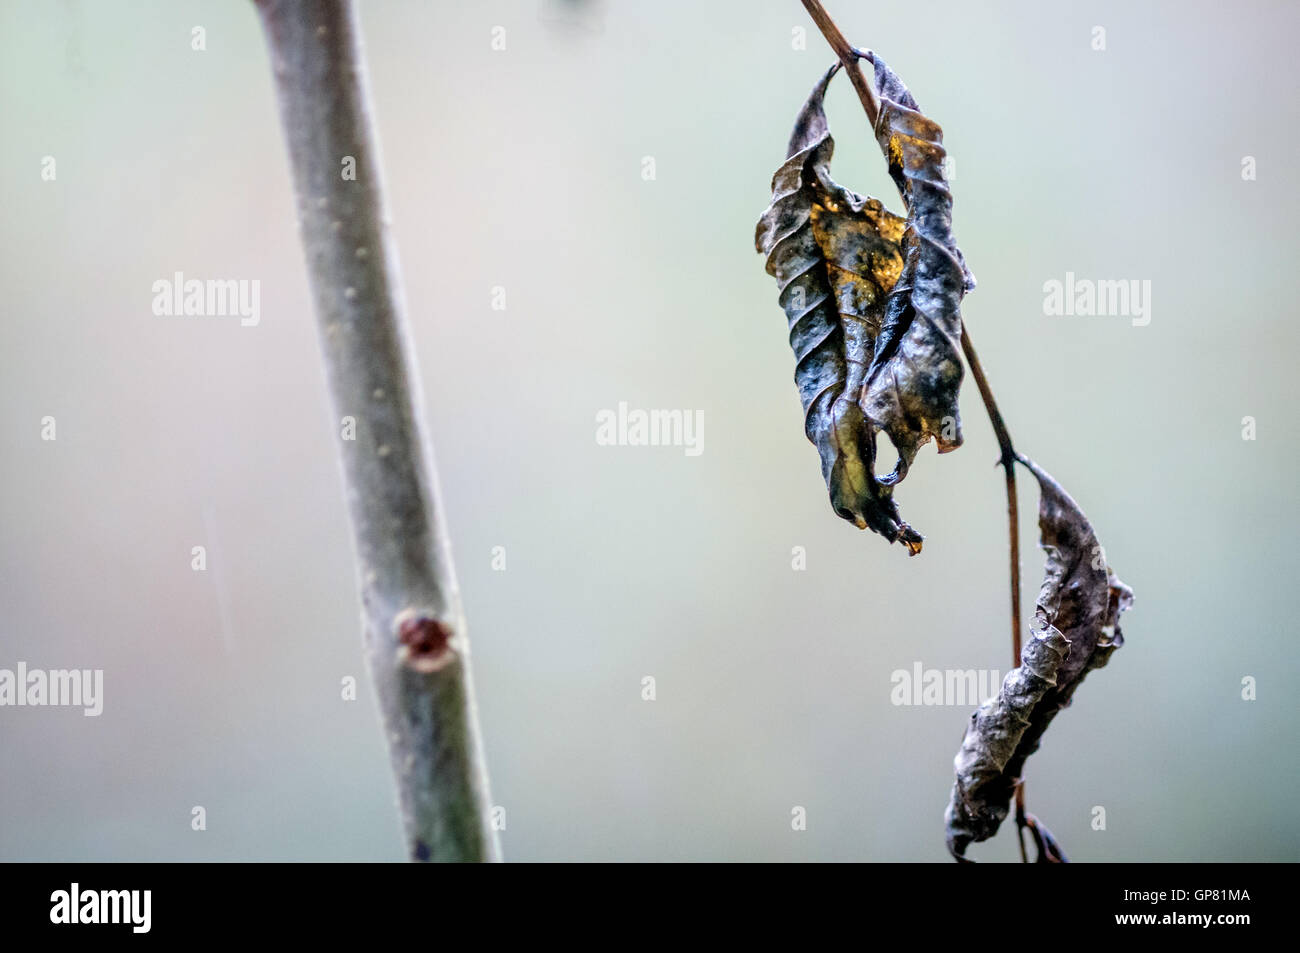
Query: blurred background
column 524, row 169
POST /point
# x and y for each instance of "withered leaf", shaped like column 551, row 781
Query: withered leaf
column 1075, row 630
column 916, row 370
column 872, row 302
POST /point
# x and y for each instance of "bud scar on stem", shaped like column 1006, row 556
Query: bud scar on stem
column 426, row 642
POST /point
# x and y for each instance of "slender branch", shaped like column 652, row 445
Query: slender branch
column 414, row 626
column 1022, row 821
column 871, row 106
column 849, row 57
column 1008, row 461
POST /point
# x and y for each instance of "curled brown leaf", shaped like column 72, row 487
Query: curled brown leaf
column 1075, row 630
column 872, row 302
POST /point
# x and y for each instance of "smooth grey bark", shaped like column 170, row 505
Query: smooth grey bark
column 414, row 627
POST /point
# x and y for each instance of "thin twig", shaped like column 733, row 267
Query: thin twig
column 871, row 106
column 414, row 627
column 1008, row 461
column 1021, row 822
column 849, row 57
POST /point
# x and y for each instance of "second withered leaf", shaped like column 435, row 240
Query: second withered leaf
column 1075, row 631
column 872, row 301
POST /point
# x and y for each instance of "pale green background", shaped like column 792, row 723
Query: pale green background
column 522, row 168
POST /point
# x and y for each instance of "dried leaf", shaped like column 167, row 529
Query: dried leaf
column 1075, row 630
column 916, row 370
column 872, row 302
